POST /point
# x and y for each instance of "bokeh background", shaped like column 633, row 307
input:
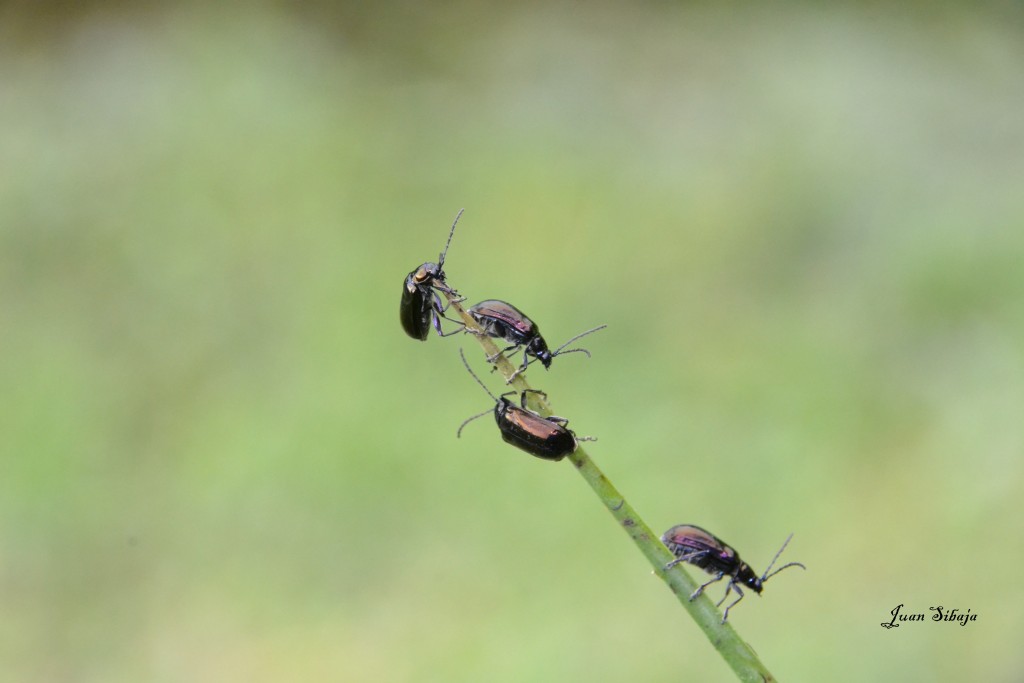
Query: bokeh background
column 222, row 460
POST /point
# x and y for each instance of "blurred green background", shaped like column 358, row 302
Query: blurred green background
column 222, row 460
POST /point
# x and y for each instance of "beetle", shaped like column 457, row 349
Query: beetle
column 547, row 438
column 703, row 549
column 502, row 320
column 421, row 305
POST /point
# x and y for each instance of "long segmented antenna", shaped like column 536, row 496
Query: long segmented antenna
column 462, row 355
column 767, row 576
column 458, row 433
column 440, row 261
column 581, row 334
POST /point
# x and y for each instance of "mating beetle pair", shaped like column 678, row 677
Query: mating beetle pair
column 703, row 549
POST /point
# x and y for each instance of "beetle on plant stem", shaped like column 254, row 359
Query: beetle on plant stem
column 703, row 549
column 502, row 320
column 421, row 305
column 547, row 438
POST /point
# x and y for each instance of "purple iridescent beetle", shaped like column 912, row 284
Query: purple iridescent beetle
column 703, row 549
column 502, row 320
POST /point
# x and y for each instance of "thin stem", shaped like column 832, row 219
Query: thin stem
column 723, row 637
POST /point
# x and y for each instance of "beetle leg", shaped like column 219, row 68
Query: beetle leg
column 443, row 286
column 696, row 593
column 437, row 325
column 458, row 297
column 526, row 360
column 441, row 307
column 515, row 374
column 513, row 349
column 696, row 554
column 522, row 400
column 438, row 312
column 733, row 586
column 522, row 368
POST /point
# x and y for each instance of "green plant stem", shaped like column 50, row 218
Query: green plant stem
column 737, row 654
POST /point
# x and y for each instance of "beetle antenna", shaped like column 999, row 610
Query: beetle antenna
column 459, row 432
column 766, row 575
column 440, row 261
column 581, row 334
column 791, row 564
column 463, row 356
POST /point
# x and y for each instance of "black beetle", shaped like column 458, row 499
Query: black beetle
column 547, row 438
column 502, row 320
column 699, row 547
column 421, row 305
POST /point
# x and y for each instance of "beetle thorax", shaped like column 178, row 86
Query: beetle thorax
column 501, row 408
column 426, row 272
